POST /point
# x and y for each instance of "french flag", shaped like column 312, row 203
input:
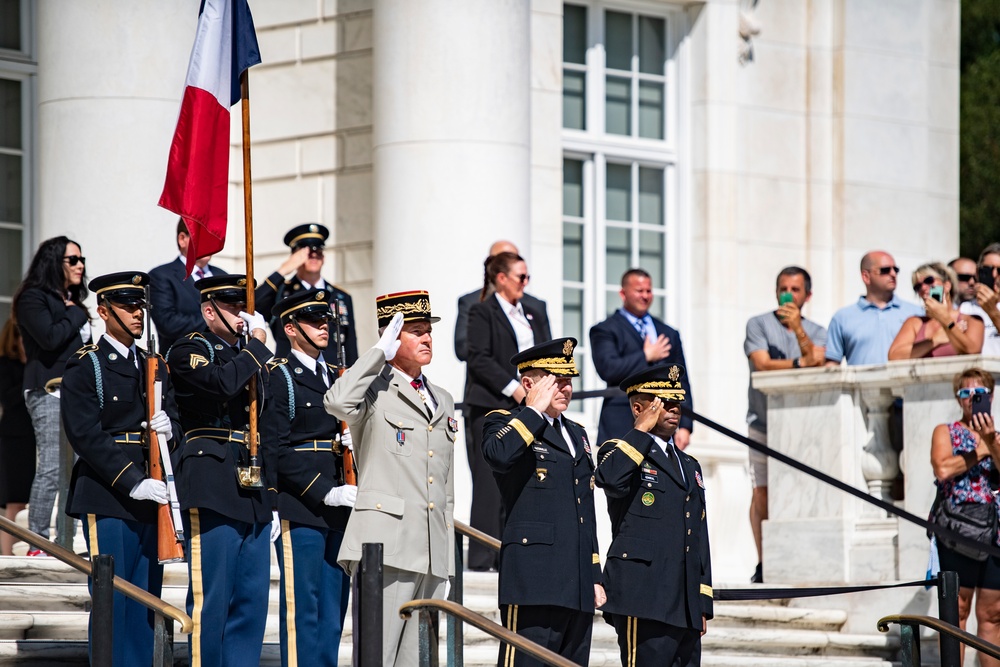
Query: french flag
column 197, row 181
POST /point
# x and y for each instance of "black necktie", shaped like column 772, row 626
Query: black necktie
column 677, row 457
column 321, row 372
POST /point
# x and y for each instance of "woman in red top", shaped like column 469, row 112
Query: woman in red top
column 942, row 331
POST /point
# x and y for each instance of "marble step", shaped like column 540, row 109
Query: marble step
column 798, row 642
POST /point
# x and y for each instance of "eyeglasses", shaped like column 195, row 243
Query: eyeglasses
column 75, row 259
column 969, row 392
column 991, row 267
column 886, row 270
column 966, row 277
column 521, row 277
column 928, row 280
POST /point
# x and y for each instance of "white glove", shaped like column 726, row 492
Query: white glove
column 389, row 342
column 254, row 321
column 161, row 424
column 275, row 526
column 341, row 496
column 150, row 489
column 346, row 440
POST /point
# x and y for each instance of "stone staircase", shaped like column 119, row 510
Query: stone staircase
column 44, row 605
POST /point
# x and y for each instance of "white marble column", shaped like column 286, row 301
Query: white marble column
column 451, row 124
column 110, row 79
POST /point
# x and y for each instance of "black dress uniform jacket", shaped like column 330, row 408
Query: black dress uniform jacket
column 304, row 477
column 50, row 331
column 548, row 553
column 107, row 471
column 276, row 288
column 176, row 304
column 658, row 565
column 211, row 380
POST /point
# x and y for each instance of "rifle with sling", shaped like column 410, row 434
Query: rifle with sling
column 349, row 474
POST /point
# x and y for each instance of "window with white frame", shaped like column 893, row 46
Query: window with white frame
column 17, row 71
column 620, row 158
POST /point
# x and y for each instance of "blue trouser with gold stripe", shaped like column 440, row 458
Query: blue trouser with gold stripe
column 314, row 594
column 229, row 574
column 133, row 546
column 647, row 643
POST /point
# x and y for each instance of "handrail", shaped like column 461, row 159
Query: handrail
column 489, row 627
column 961, row 635
column 126, row 588
column 479, row 536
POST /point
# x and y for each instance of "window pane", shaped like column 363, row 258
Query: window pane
column 574, row 100
column 618, row 193
column 618, row 40
column 573, row 313
column 10, row 113
column 613, row 300
column 573, row 188
column 650, row 110
column 651, row 195
column 651, row 45
column 618, row 253
column 10, row 262
column 10, row 26
column 618, row 106
column 651, row 256
column 574, row 34
column 10, row 188
column 658, row 308
column 573, row 252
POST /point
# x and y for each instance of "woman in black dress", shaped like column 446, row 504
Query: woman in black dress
column 17, row 437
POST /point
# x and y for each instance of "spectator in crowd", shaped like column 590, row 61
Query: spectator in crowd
column 500, row 326
column 777, row 340
column 984, row 303
column 48, row 307
column 962, row 455
column 475, row 296
column 943, row 331
column 862, row 332
column 630, row 341
column 176, row 304
column 965, row 273
column 303, row 267
column 17, row 437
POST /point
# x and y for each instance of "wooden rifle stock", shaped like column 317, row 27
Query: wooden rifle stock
column 350, row 474
column 167, row 547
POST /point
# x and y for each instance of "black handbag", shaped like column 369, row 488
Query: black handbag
column 975, row 521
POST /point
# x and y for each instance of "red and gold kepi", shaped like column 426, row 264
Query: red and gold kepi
column 415, row 306
column 662, row 381
column 555, row 356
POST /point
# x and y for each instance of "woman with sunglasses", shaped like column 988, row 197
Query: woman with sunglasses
column 500, row 326
column 48, row 307
column 960, row 457
column 943, row 331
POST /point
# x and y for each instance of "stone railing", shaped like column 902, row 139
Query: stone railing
column 837, row 421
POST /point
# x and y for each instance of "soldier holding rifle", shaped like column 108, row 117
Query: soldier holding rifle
column 104, row 410
column 229, row 520
column 314, row 506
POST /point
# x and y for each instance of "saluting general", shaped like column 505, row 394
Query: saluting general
column 229, row 522
column 658, row 572
column 313, row 502
column 104, row 410
column 550, row 568
column 404, row 431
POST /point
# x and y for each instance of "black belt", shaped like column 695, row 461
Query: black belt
column 315, row 446
column 129, row 438
column 220, row 434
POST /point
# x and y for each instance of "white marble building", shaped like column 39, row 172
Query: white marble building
column 595, row 134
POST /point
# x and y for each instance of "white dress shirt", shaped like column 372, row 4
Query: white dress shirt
column 522, row 332
column 311, row 364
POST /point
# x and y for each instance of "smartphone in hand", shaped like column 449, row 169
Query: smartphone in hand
column 937, row 293
column 984, row 276
column 982, row 404
column 784, row 298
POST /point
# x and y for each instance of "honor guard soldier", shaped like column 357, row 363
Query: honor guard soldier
column 404, row 431
column 550, row 569
column 228, row 524
column 313, row 503
column 304, row 266
column 103, row 409
column 658, row 571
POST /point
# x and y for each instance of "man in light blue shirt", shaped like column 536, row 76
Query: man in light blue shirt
column 862, row 332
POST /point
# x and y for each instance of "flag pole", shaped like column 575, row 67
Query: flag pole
column 249, row 477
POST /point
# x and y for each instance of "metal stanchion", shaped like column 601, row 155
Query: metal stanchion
column 102, row 613
column 368, row 631
column 163, row 641
column 948, row 612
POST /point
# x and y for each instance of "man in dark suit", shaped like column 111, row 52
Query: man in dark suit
column 499, row 327
column 630, row 341
column 303, row 267
column 176, row 304
column 550, row 569
column 658, row 572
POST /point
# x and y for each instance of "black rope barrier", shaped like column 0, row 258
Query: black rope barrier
column 758, row 593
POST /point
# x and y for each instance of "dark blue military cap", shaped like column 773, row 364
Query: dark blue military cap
column 230, row 288
column 311, row 234
column 125, row 287
column 313, row 305
column 663, row 381
column 555, row 356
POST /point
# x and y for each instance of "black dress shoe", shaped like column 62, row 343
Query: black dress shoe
column 758, row 574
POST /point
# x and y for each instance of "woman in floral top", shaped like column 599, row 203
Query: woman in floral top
column 960, row 456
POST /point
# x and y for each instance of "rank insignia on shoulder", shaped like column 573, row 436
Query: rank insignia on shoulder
column 498, row 412
column 541, row 473
column 697, row 478
column 85, row 350
column 196, row 360
column 274, row 363
column 648, row 498
column 452, row 424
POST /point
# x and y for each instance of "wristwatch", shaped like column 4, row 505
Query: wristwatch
column 796, row 363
